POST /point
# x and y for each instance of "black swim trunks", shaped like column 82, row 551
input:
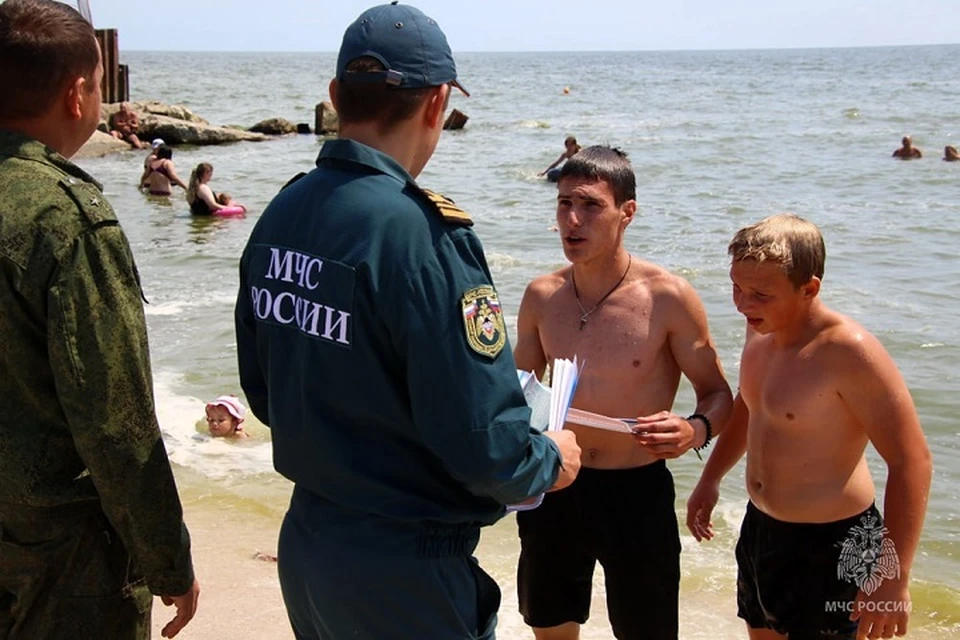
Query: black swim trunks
column 626, row 520
column 801, row 579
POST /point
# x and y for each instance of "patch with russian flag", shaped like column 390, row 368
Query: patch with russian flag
column 483, row 323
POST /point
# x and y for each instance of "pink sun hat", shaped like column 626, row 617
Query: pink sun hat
column 233, row 406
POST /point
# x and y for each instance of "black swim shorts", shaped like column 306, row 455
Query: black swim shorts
column 801, row 579
column 626, row 520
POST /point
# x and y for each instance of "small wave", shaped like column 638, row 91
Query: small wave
column 932, row 345
column 177, row 307
column 851, row 113
column 501, row 261
column 532, row 175
column 165, row 308
column 534, row 124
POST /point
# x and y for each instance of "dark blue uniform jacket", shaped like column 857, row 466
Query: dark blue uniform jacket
column 357, row 347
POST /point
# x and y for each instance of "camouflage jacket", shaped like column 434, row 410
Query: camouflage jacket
column 77, row 420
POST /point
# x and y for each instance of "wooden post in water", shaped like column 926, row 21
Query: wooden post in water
column 116, row 81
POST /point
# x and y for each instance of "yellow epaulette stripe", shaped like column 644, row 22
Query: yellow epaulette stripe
column 449, row 211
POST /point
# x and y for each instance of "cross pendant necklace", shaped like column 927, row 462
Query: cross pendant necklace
column 584, row 314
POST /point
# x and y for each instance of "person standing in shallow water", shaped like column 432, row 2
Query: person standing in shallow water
column 907, row 151
column 815, row 558
column 160, row 174
column 90, row 520
column 363, row 344
column 637, row 327
column 570, row 149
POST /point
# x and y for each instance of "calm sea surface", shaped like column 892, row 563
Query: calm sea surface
column 718, row 140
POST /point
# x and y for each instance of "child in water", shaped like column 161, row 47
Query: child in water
column 225, row 417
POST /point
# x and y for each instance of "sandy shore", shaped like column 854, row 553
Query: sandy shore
column 239, row 594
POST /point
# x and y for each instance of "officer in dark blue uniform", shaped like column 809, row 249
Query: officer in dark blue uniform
column 372, row 342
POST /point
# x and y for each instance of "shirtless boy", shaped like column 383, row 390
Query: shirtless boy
column 570, row 149
column 815, row 387
column 636, row 327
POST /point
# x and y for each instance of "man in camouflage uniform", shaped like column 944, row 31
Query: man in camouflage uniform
column 90, row 521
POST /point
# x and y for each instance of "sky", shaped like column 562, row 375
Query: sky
column 538, row 25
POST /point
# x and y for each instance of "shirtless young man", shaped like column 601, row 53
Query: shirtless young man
column 815, row 387
column 636, row 327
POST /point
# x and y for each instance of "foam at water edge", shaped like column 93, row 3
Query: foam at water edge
column 215, row 458
column 164, row 309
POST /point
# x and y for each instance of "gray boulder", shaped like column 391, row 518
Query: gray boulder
column 274, row 127
column 175, row 131
column 152, row 107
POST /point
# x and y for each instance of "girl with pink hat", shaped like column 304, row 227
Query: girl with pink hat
column 225, row 417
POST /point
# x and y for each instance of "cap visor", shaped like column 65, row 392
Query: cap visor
column 456, row 83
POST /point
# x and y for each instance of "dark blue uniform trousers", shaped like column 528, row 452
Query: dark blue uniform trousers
column 344, row 576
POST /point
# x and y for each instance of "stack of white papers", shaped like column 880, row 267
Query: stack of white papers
column 549, row 405
column 564, row 375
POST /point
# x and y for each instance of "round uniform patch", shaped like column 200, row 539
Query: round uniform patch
column 483, row 321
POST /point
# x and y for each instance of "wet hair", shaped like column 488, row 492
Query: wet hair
column 784, row 239
column 360, row 101
column 163, row 152
column 606, row 164
column 44, row 47
column 201, row 169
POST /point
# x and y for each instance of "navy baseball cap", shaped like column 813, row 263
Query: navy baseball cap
column 409, row 44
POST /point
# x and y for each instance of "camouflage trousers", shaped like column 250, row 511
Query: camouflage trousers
column 67, row 575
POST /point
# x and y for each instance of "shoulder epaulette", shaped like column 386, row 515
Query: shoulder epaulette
column 292, row 180
column 89, row 199
column 449, row 211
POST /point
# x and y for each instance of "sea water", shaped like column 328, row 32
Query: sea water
column 718, row 140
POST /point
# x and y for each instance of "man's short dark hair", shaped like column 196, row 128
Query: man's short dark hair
column 44, row 46
column 607, row 164
column 376, row 101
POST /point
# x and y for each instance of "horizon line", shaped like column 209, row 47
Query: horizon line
column 557, row 51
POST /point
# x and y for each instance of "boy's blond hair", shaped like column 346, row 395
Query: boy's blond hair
column 785, row 239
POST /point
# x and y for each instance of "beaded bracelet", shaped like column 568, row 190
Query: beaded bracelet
column 706, row 423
